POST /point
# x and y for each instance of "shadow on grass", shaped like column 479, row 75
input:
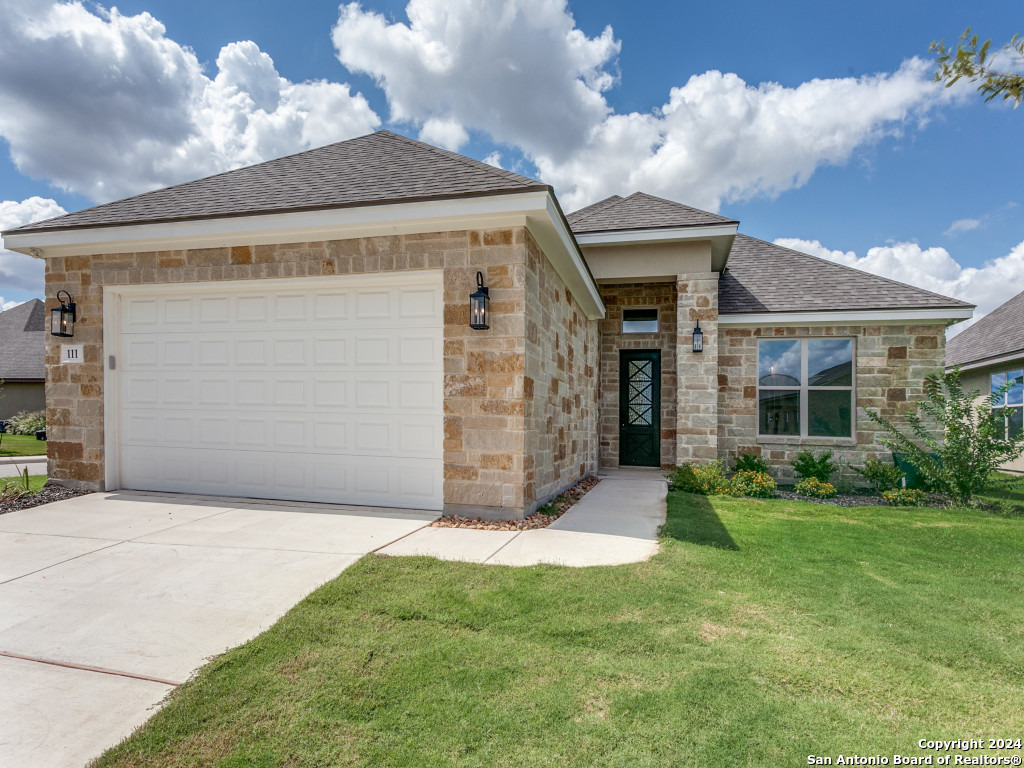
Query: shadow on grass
column 692, row 518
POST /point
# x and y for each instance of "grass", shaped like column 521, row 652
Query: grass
column 21, row 445
column 35, row 482
column 764, row 632
column 1007, row 491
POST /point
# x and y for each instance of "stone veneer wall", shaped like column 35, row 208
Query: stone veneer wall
column 484, row 444
column 624, row 296
column 697, row 422
column 560, row 387
column 892, row 361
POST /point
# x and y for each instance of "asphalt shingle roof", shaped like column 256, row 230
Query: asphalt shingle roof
column 639, row 211
column 997, row 334
column 375, row 169
column 763, row 277
column 23, row 342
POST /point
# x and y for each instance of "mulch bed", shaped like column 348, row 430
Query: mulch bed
column 859, row 499
column 48, row 493
column 539, row 519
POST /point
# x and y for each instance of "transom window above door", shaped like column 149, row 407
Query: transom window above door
column 640, row 320
column 805, row 387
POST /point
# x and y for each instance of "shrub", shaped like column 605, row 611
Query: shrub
column 26, row 422
column 706, row 479
column 807, row 465
column 882, row 475
column 760, row 485
column 815, row 488
column 748, row 462
column 903, row 497
column 966, row 444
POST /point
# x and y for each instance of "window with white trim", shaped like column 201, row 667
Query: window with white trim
column 805, row 387
column 1012, row 397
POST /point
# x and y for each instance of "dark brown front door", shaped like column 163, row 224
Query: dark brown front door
column 640, row 408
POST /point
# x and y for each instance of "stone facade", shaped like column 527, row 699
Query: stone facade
column 891, row 364
column 485, row 451
column 617, row 297
column 560, row 388
column 697, row 404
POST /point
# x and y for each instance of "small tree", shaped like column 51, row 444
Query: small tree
column 974, row 63
column 969, row 441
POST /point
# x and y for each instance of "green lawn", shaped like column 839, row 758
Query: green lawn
column 764, row 632
column 21, row 445
column 1007, row 490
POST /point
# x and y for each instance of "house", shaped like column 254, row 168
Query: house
column 991, row 355
column 22, row 354
column 300, row 329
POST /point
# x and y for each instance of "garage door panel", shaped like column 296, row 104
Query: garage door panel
column 331, row 391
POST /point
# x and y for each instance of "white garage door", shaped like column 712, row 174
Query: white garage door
column 316, row 389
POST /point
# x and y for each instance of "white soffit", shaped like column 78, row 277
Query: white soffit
column 720, row 235
column 849, row 317
column 536, row 210
column 1000, row 360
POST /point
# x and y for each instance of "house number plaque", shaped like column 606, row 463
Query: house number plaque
column 71, row 353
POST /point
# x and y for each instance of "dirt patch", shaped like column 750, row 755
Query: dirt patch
column 542, row 518
column 709, row 632
column 45, row 495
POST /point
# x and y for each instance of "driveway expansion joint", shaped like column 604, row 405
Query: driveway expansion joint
column 87, row 668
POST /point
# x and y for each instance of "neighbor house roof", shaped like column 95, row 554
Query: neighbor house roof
column 23, row 342
column 763, row 277
column 377, row 169
column 639, row 211
column 998, row 334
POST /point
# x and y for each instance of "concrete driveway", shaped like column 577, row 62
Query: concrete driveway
column 109, row 600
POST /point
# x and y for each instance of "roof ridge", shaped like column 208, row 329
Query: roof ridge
column 468, row 161
column 859, row 271
column 595, row 208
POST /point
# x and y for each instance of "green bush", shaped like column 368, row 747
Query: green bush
column 26, row 422
column 815, row 488
column 903, row 497
column 882, row 475
column 760, row 485
column 808, row 465
column 706, row 479
column 955, row 439
column 748, row 462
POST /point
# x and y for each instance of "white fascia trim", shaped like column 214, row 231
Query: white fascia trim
column 263, row 229
column 536, row 210
column 1010, row 358
column 638, row 236
column 881, row 317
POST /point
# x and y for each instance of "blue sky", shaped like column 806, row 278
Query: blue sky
column 851, row 156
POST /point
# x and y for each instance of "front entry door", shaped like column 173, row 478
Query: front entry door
column 640, row 409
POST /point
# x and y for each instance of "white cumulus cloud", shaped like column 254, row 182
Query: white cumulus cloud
column 19, row 272
column 523, row 73
column 106, row 105
column 934, row 269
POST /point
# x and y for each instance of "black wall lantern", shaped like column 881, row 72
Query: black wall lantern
column 478, row 301
column 698, row 338
column 62, row 318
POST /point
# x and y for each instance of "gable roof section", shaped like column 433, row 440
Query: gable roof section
column 639, row 211
column 377, row 169
column 23, row 342
column 763, row 278
column 999, row 334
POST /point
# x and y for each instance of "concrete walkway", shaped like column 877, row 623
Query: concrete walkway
column 12, row 466
column 616, row 523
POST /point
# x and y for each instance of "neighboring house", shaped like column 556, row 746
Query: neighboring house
column 991, row 354
column 299, row 329
column 22, row 358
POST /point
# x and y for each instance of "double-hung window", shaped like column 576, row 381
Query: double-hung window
column 805, row 387
column 1012, row 398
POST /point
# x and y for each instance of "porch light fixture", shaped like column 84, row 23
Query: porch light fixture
column 478, row 301
column 698, row 338
column 62, row 318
